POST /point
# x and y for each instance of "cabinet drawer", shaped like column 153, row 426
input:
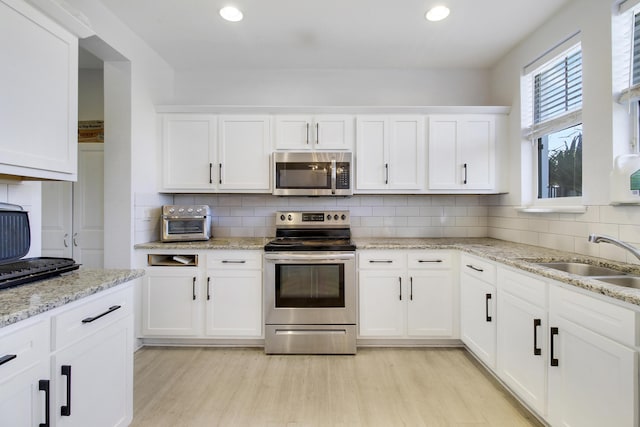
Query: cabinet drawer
column 23, row 345
column 523, row 286
column 246, row 260
column 610, row 320
column 478, row 267
column 88, row 317
column 430, row 260
column 382, row 260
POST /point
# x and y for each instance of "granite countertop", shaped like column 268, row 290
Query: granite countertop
column 229, row 243
column 24, row 301
column 520, row 256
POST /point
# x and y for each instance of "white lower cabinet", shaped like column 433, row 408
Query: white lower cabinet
column 593, row 365
column 234, row 294
column 522, row 339
column 406, row 294
column 72, row 366
column 478, row 307
column 217, row 295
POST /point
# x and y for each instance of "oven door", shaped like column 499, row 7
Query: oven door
column 310, row 288
column 185, row 228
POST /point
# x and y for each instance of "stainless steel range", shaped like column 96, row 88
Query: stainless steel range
column 310, row 285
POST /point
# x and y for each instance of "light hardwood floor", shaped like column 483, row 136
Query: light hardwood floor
column 377, row 387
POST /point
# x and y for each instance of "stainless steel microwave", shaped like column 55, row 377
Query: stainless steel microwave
column 326, row 173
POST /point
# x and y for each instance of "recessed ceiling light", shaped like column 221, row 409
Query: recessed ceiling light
column 231, row 13
column 437, row 13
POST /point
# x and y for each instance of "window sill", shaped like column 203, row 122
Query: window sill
column 553, row 209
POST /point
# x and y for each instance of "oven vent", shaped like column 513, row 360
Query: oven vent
column 15, row 236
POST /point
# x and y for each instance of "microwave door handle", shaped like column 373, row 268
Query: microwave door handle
column 333, row 176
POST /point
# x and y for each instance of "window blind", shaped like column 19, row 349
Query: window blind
column 558, row 89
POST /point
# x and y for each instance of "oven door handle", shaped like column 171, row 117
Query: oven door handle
column 308, row 257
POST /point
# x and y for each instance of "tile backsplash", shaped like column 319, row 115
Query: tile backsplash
column 371, row 215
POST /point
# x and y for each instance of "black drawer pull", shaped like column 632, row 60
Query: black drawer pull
column 43, row 385
column 536, row 351
column 486, row 306
column 110, row 310
column 7, row 358
column 400, row 287
column 208, row 288
column 475, row 268
column 411, row 288
column 429, row 260
column 210, row 176
column 226, row 261
column 65, row 410
column 554, row 361
column 380, row 261
column 193, row 289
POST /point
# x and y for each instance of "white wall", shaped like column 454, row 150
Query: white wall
column 334, row 87
column 602, row 141
column 90, row 94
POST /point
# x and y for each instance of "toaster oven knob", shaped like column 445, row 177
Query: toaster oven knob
column 181, row 210
column 282, row 217
column 171, row 210
column 344, row 217
column 335, row 217
column 289, row 217
column 329, row 217
column 190, row 210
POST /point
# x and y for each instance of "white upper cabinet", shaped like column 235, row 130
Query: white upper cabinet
column 207, row 153
column 244, row 147
column 306, row 132
column 463, row 152
column 39, row 86
column 390, row 153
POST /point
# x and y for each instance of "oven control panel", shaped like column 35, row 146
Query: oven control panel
column 315, row 219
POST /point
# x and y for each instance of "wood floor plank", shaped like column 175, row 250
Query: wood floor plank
column 195, row 387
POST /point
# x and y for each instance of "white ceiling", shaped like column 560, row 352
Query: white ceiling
column 191, row 36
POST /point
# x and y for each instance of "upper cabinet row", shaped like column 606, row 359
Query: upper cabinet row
column 393, row 153
column 39, row 86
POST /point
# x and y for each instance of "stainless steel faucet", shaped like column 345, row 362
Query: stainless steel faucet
column 597, row 238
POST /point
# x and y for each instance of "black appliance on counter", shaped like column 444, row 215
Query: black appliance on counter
column 15, row 241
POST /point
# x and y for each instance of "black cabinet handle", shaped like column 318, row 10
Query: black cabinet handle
column 307, row 133
column 465, row 174
column 380, row 261
column 554, row 332
column 536, row 351
column 475, row 268
column 486, row 306
column 208, row 284
column 317, row 133
column 210, row 173
column 110, row 310
column 193, row 289
column 429, row 260
column 400, row 287
column 220, row 174
column 43, row 385
column 242, row 261
column 411, row 288
column 386, row 167
column 7, row 358
column 65, row 410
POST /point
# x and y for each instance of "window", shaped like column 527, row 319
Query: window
column 555, row 125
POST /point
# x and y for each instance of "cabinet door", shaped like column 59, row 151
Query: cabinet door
column 244, row 148
column 234, row 303
column 443, row 139
column 22, row 403
column 595, row 382
column 382, row 304
column 94, row 379
column 430, row 304
column 406, row 153
column 522, row 349
column 333, row 132
column 171, row 301
column 476, row 152
column 39, row 108
column 293, row 133
column 371, row 157
column 188, row 152
column 478, row 318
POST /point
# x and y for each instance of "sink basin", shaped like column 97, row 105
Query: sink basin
column 582, row 269
column 626, row 281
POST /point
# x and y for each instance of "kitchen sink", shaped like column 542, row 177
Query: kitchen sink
column 582, row 269
column 626, row 281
